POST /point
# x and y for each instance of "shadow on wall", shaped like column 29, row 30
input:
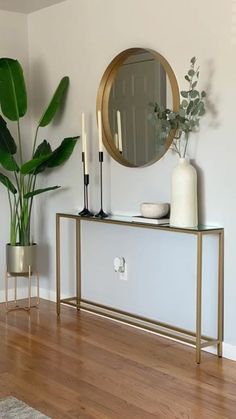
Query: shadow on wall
column 38, row 88
column 212, row 110
column 211, row 102
column 42, row 91
column 201, row 190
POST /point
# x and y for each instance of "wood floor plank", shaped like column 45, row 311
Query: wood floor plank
column 84, row 366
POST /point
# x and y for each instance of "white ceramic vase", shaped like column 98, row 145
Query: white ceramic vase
column 184, row 202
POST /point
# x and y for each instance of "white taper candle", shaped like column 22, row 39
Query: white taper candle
column 116, row 140
column 100, row 131
column 119, row 130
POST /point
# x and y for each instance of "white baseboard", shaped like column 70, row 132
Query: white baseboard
column 229, row 351
column 48, row 295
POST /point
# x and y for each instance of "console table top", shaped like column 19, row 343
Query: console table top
column 128, row 220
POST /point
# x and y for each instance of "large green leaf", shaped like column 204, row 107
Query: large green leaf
column 55, row 102
column 6, row 182
column 62, row 153
column 7, row 142
column 39, row 191
column 8, row 161
column 13, row 97
column 59, row 156
column 31, row 165
column 43, row 149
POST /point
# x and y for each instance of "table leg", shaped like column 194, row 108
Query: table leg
column 78, row 264
column 29, row 289
column 199, row 298
column 220, row 294
column 58, row 263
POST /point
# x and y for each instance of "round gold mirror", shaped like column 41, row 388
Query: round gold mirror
column 135, row 79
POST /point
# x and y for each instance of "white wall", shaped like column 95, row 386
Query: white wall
column 79, row 38
column 13, row 44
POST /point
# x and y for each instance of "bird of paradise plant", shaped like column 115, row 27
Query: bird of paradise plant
column 22, row 179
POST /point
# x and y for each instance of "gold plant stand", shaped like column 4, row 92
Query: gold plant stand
column 194, row 338
column 29, row 276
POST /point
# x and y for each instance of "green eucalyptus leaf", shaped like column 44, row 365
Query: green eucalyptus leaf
column 193, row 60
column 12, row 89
column 184, row 103
column 189, row 107
column 172, row 116
column 187, row 78
column 182, row 112
column 194, row 94
column 191, row 72
column 195, row 110
column 6, row 182
column 202, row 112
column 55, row 102
column 39, row 191
column 7, row 142
column 8, row 162
column 203, row 94
column 194, row 85
column 184, row 93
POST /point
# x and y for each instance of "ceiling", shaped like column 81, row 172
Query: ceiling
column 26, row 6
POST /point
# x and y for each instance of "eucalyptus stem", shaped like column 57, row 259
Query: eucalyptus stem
column 176, row 148
column 186, row 144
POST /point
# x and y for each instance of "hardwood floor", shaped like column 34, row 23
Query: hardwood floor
column 83, row 366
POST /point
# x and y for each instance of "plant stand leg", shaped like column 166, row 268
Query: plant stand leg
column 6, row 290
column 15, row 291
column 37, row 279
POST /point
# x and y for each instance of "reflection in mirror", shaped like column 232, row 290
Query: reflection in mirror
column 134, row 81
column 140, row 81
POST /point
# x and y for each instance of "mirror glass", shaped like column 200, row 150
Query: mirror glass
column 133, row 83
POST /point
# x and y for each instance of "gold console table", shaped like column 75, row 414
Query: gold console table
column 194, row 338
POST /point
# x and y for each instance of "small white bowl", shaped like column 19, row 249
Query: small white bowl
column 154, row 209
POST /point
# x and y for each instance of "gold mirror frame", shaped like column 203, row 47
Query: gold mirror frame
column 103, row 101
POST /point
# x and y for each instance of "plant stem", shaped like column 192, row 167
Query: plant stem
column 35, row 140
column 176, row 148
column 30, row 207
column 19, row 140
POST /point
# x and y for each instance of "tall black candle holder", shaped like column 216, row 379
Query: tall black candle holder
column 101, row 213
column 85, row 211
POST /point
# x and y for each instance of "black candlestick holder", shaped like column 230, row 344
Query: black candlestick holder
column 101, row 213
column 85, row 211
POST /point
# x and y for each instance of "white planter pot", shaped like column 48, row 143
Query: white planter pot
column 184, row 202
